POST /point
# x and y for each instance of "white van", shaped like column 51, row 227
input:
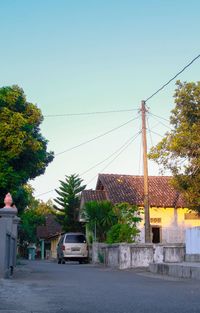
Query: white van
column 72, row 247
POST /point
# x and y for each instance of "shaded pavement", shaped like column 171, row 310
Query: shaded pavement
column 42, row 286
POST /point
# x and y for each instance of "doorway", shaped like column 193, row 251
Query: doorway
column 155, row 234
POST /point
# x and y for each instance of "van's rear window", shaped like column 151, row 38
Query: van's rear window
column 75, row 239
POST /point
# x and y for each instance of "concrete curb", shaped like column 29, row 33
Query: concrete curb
column 180, row 270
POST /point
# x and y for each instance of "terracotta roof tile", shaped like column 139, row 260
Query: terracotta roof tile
column 51, row 227
column 128, row 188
column 93, row 195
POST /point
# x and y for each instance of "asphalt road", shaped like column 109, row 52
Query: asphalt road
column 46, row 287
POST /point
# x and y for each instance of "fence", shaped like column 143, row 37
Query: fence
column 8, row 241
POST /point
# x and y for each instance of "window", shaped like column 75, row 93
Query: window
column 75, row 239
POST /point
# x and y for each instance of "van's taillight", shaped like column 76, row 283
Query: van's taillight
column 63, row 247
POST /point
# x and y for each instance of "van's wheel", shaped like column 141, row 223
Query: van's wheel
column 87, row 261
column 80, row 262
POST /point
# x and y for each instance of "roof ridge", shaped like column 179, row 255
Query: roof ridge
column 129, row 175
column 93, row 190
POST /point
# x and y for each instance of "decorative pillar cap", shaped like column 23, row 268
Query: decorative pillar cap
column 8, row 209
column 8, row 201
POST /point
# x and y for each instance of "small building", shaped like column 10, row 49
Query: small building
column 49, row 235
column 54, row 239
column 169, row 217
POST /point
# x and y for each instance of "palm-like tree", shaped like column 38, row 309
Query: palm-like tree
column 100, row 218
column 68, row 202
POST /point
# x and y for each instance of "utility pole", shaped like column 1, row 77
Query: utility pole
column 146, row 186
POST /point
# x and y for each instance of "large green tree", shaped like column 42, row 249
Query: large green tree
column 30, row 220
column 23, row 149
column 32, row 217
column 179, row 150
column 68, row 202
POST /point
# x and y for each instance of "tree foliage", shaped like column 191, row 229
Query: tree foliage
column 112, row 223
column 100, row 218
column 68, row 202
column 125, row 230
column 127, row 214
column 30, row 220
column 32, row 217
column 121, row 233
column 44, row 208
column 179, row 150
column 23, row 149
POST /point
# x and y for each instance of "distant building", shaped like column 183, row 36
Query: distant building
column 169, row 216
column 49, row 235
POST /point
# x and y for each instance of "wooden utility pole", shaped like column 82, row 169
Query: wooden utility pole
column 146, row 186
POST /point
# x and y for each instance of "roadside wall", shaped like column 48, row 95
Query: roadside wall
column 192, row 241
column 124, row 256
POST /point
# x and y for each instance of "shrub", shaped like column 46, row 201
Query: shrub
column 122, row 233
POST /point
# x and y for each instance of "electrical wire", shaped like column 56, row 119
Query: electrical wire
column 110, row 156
column 90, row 113
column 151, row 139
column 44, row 193
column 97, row 137
column 160, row 122
column 140, row 157
column 167, row 83
column 127, row 145
column 119, row 111
column 162, row 118
column 99, row 163
column 155, row 133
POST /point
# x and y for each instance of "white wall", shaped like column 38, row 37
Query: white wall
column 192, row 240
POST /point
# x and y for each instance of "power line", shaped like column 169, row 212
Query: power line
column 97, row 137
column 159, row 122
column 92, row 167
column 162, row 118
column 90, row 113
column 116, row 111
column 122, row 150
column 167, row 83
column 44, row 193
column 140, row 157
column 110, row 156
column 151, row 131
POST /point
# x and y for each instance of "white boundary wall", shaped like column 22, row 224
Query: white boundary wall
column 125, row 256
column 192, row 240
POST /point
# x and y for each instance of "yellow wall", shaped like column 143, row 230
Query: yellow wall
column 173, row 224
column 54, row 243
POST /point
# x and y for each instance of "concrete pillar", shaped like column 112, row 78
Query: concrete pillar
column 8, row 240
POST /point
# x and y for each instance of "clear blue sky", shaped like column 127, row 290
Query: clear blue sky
column 82, row 56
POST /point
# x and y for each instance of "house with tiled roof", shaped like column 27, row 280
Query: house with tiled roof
column 169, row 216
column 49, row 235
